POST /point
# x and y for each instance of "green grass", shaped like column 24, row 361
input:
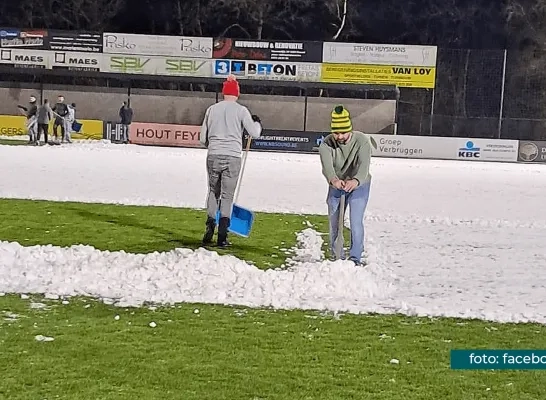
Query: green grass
column 13, row 142
column 145, row 229
column 227, row 352
column 235, row 353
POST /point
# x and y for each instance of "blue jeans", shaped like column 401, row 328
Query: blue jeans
column 357, row 201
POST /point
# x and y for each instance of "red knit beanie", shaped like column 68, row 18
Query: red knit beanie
column 231, row 86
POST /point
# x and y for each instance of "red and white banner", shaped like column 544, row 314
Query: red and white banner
column 164, row 134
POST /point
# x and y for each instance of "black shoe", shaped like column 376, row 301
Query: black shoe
column 223, row 232
column 209, row 232
column 357, row 263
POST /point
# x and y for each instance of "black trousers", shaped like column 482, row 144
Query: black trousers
column 56, row 125
column 42, row 128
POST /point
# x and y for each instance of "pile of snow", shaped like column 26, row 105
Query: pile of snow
column 183, row 275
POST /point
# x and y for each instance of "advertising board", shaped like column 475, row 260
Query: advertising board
column 176, row 66
column 282, row 140
column 379, row 54
column 112, row 131
column 12, row 125
column 76, row 61
column 267, row 50
column 15, row 125
column 414, row 77
column 75, row 41
column 532, row 151
column 446, row 148
column 440, row 148
column 126, row 64
column 149, row 65
column 164, row 134
column 157, row 45
column 23, row 38
column 25, row 58
column 268, row 70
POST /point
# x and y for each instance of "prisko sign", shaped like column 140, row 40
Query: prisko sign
column 157, row 45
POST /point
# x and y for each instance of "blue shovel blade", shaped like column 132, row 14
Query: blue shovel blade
column 241, row 221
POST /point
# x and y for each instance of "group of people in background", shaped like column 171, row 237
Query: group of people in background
column 40, row 116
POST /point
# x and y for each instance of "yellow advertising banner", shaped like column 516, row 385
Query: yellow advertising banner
column 12, row 125
column 402, row 76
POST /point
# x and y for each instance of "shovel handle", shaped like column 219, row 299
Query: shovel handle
column 242, row 170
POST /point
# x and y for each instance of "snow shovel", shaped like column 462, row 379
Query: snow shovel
column 340, row 240
column 241, row 218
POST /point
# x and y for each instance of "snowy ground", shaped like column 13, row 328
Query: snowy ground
column 445, row 238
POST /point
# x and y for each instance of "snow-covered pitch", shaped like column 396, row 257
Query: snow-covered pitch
column 461, row 239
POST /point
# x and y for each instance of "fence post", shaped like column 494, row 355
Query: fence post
column 41, row 89
column 431, row 111
column 305, row 110
column 129, row 94
column 502, row 95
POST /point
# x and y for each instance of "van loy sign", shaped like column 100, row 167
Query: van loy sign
column 157, row 45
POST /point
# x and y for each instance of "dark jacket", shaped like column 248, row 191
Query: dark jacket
column 126, row 115
column 62, row 110
column 30, row 111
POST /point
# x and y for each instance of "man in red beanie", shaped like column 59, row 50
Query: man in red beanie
column 222, row 134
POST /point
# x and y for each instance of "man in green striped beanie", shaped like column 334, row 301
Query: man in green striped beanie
column 345, row 155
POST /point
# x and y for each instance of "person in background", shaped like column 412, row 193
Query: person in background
column 45, row 114
column 68, row 121
column 61, row 111
column 32, row 122
column 222, row 134
column 126, row 117
column 345, row 155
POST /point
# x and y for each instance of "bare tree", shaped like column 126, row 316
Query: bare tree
column 339, row 10
column 281, row 18
column 92, row 15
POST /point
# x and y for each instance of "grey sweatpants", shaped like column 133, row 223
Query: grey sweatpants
column 223, row 174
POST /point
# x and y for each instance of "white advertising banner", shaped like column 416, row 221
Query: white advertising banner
column 379, row 54
column 149, row 65
column 429, row 147
column 23, row 58
column 268, row 70
column 126, row 64
column 176, row 66
column 157, row 45
column 74, row 61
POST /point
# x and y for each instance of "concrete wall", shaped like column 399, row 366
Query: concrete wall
column 172, row 107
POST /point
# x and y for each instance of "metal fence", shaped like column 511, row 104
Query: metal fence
column 480, row 93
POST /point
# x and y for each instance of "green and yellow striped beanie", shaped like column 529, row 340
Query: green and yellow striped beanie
column 341, row 120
